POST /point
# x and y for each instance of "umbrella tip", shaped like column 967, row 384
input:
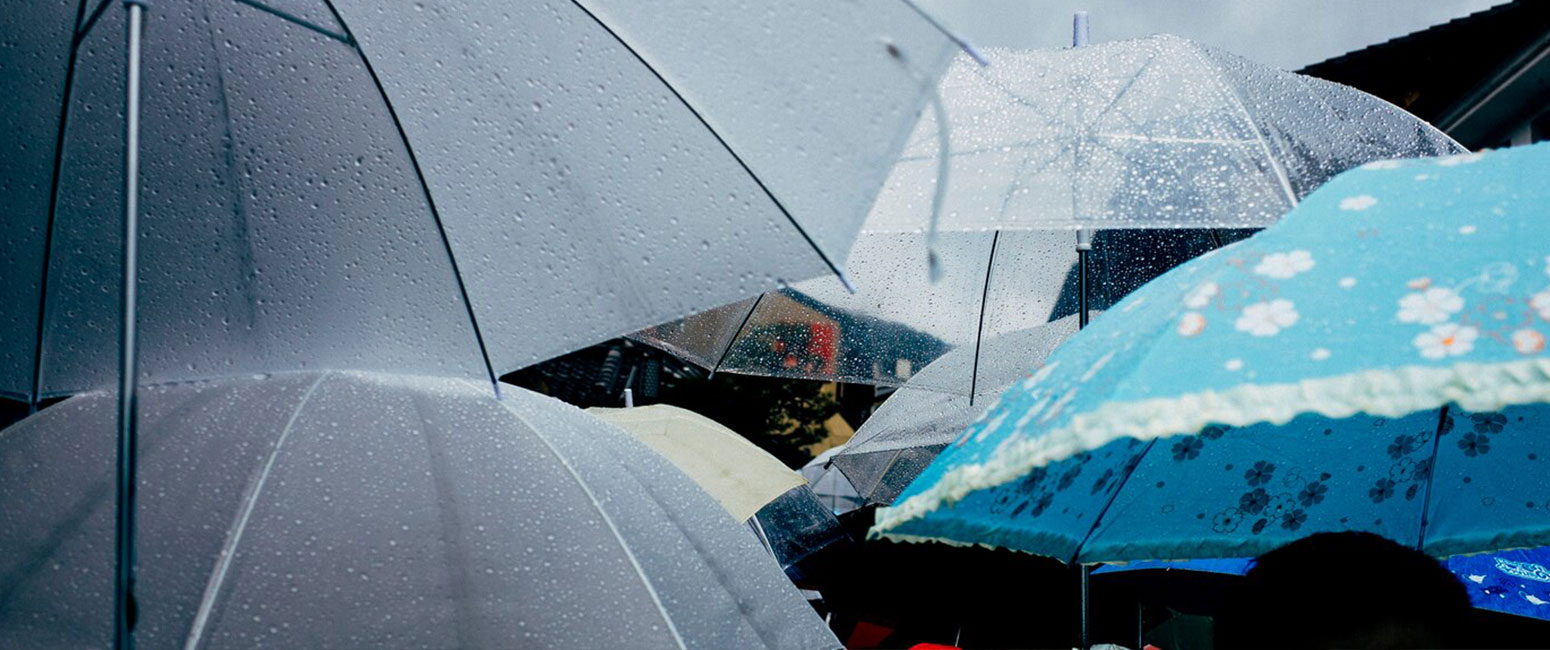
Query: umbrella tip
column 845, row 281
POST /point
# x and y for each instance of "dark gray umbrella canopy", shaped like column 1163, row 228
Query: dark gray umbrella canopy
column 357, row 510
column 355, row 183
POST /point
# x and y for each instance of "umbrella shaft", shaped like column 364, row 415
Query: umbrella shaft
column 124, row 549
column 1081, row 284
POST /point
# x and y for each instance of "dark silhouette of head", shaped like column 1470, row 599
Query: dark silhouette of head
column 1343, row 590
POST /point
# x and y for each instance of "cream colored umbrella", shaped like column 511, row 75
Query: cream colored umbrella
column 743, row 477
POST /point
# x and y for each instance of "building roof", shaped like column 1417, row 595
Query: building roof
column 1444, row 72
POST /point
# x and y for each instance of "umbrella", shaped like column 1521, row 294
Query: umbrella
column 1156, row 133
column 444, row 191
column 344, row 509
column 831, row 486
column 903, row 436
column 457, row 190
column 1511, row 582
column 1375, row 363
column 743, row 477
column 753, row 486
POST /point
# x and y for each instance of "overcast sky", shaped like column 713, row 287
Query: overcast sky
column 1283, row 33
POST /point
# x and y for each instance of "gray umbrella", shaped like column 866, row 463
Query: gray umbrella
column 359, row 510
column 380, row 185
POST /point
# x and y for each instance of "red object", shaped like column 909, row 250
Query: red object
column 823, row 342
column 933, row 646
column 867, row 635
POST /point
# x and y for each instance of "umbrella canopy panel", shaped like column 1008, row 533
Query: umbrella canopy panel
column 354, row 185
column 905, row 434
column 830, row 485
column 355, row 510
column 1158, row 132
column 740, row 475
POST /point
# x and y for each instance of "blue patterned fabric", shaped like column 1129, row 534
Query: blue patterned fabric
column 1374, row 362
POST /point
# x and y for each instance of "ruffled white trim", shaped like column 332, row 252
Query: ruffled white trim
column 1391, row 393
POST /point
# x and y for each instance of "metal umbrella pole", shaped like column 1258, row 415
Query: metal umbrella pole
column 124, row 539
column 1084, row 245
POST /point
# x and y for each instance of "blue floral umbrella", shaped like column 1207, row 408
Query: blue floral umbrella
column 1511, row 582
column 1375, row 362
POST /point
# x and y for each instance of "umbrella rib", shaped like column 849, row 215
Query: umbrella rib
column 739, row 332
column 1098, row 518
column 833, row 268
column 297, row 20
column 979, row 331
column 53, row 206
column 249, row 501
column 1426, row 502
column 430, row 201
column 83, row 29
column 607, row 520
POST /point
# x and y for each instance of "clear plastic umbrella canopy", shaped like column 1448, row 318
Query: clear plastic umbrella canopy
column 905, row 434
column 1157, row 133
column 310, row 510
column 830, row 485
column 456, row 189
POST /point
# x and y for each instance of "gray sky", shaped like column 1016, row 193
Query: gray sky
column 1283, row 33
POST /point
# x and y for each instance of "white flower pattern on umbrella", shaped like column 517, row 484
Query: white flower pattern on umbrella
column 1267, row 318
column 1191, row 323
column 1527, row 341
column 1541, row 303
column 1201, row 296
column 1429, row 307
column 1358, row 203
column 1446, row 340
column 1285, row 265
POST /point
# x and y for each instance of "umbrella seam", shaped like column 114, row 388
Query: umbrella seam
column 250, row 501
column 1098, row 517
column 1286, row 184
column 291, row 18
column 425, row 188
column 732, row 342
column 833, row 267
column 979, row 331
column 1431, row 478
column 607, row 520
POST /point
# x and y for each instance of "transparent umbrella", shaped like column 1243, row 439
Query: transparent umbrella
column 831, row 486
column 1157, row 133
column 310, row 510
column 908, row 431
column 457, row 190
